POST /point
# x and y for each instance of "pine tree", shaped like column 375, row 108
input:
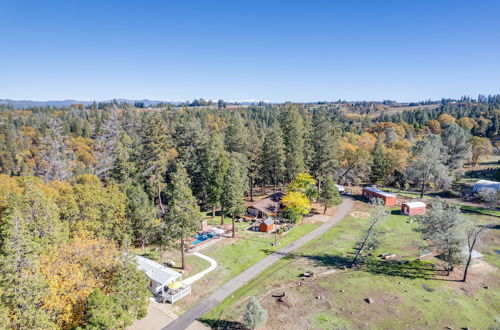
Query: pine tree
column 292, row 126
column 22, row 287
column 325, row 159
column 140, row 212
column 380, row 163
column 254, row 157
column 235, row 185
column 235, row 136
column 254, row 315
column 157, row 154
column 273, row 157
column 182, row 219
column 194, row 147
column 216, row 165
column 330, row 194
column 124, row 168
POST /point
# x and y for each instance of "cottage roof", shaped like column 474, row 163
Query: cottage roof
column 270, row 204
column 268, row 221
column 157, row 272
column 486, row 185
column 380, row 192
column 415, row 204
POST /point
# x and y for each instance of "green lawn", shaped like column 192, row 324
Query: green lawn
column 251, row 247
column 235, row 255
column 406, row 296
column 479, row 210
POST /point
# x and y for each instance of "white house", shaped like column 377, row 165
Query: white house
column 160, row 276
column 165, row 282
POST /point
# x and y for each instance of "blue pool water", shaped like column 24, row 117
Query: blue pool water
column 201, row 238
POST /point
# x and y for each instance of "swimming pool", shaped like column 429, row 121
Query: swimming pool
column 199, row 238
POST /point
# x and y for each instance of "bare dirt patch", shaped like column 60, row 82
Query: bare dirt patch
column 481, row 276
column 359, row 214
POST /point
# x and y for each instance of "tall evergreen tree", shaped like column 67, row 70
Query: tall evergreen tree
column 379, row 170
column 21, row 286
column 324, row 144
column 216, row 165
column 254, row 156
column 273, row 157
column 193, row 147
column 330, row 194
column 158, row 152
column 236, row 138
column 182, row 219
column 292, row 126
column 235, row 185
column 124, row 167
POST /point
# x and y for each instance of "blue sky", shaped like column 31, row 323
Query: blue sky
column 241, row 50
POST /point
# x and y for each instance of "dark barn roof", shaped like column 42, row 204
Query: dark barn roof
column 270, row 204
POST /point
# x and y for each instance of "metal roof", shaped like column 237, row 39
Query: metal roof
column 269, row 221
column 157, row 272
column 486, row 185
column 380, row 192
column 415, row 204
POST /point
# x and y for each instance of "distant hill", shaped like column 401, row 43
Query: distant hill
column 23, row 104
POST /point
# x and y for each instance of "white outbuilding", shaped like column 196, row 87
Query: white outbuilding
column 485, row 185
column 160, row 276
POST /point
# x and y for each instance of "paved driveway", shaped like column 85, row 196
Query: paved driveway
column 207, row 304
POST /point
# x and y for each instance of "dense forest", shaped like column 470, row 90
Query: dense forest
column 94, row 180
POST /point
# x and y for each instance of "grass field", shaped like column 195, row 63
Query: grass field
column 404, row 296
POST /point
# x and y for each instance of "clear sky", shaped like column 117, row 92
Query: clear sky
column 240, row 50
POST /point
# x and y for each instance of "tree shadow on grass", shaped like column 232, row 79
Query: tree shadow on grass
column 411, row 269
column 329, row 260
column 414, row 269
column 285, row 255
column 223, row 324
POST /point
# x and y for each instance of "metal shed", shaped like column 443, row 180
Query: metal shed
column 484, row 185
column 372, row 193
column 413, row 208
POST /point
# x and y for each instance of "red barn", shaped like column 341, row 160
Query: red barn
column 267, row 225
column 413, row 208
column 372, row 193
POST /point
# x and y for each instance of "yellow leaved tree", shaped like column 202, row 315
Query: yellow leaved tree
column 72, row 272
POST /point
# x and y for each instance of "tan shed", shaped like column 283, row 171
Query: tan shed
column 413, row 208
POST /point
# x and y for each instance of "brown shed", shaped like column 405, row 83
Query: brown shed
column 267, row 225
column 413, row 208
column 372, row 193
